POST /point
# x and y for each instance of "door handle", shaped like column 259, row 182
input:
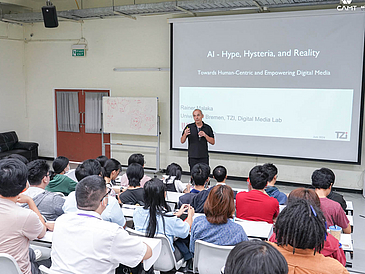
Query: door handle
column 82, row 118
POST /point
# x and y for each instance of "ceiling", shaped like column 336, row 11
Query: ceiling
column 21, row 13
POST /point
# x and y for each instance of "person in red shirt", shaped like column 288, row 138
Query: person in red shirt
column 256, row 205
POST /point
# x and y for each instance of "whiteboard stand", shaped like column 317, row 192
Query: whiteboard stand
column 155, row 147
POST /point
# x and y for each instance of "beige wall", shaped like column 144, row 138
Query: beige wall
column 13, row 109
column 122, row 42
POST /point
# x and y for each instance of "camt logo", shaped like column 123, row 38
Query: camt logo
column 341, row 134
column 346, row 2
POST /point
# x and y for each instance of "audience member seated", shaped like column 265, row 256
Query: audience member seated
column 172, row 179
column 48, row 203
column 271, row 189
column 216, row 227
column 300, row 235
column 256, row 205
column 154, row 218
column 334, row 195
column 322, row 182
column 200, row 176
column 87, row 168
column 112, row 213
column 134, row 159
column 18, row 225
column 110, row 172
column 59, row 182
column 220, row 175
column 84, row 243
column 331, row 246
column 102, row 160
column 255, row 257
column 197, row 202
column 133, row 195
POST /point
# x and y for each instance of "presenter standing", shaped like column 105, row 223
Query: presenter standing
column 199, row 135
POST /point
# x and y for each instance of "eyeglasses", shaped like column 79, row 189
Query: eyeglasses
column 106, row 195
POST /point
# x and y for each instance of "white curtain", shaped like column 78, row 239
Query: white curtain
column 93, row 110
column 68, row 111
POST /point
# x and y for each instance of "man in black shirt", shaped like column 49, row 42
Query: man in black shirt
column 199, row 135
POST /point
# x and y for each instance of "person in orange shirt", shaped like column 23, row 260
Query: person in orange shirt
column 300, row 234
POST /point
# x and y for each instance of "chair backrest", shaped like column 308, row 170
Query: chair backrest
column 210, row 258
column 166, row 261
column 8, row 264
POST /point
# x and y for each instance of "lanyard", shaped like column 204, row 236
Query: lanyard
column 88, row 215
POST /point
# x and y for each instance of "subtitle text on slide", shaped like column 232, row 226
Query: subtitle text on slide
column 264, row 72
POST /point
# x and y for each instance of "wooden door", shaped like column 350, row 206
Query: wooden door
column 74, row 140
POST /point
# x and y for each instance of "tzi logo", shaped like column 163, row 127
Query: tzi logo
column 346, row 5
column 341, row 134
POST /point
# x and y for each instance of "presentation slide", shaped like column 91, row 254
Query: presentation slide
column 244, row 117
column 279, row 84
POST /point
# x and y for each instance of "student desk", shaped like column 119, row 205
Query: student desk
column 239, row 189
column 281, row 207
column 347, row 246
column 173, row 197
column 261, row 230
column 350, row 208
column 128, row 210
column 46, row 241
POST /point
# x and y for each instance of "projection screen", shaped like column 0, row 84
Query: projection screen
column 283, row 84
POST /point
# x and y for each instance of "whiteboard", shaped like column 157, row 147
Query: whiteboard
column 130, row 115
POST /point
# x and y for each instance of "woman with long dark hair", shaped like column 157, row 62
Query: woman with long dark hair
column 59, row 182
column 154, row 218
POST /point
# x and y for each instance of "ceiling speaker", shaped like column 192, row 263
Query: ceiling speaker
column 50, row 16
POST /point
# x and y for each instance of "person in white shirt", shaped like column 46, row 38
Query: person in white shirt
column 113, row 212
column 84, row 243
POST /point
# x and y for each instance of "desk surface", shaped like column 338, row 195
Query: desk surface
column 47, row 238
column 128, row 210
column 173, row 196
column 253, row 229
column 346, row 241
column 350, row 206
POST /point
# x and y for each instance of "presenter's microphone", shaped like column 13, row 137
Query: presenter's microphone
column 198, row 134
